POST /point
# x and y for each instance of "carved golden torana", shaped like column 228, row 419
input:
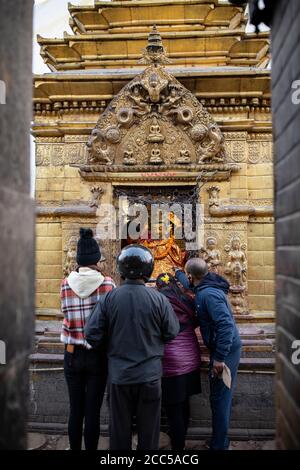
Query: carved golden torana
column 154, row 120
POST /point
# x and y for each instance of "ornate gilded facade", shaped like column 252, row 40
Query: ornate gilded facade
column 180, row 107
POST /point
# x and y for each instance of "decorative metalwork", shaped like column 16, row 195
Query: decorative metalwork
column 149, row 117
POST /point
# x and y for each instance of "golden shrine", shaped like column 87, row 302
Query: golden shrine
column 159, row 101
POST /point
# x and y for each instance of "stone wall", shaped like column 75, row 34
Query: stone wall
column 286, row 116
column 253, row 413
column 17, row 220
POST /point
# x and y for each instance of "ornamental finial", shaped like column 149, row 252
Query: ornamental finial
column 154, row 53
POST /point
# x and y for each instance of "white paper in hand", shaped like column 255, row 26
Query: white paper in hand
column 226, row 376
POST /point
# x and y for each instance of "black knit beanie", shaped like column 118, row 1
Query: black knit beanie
column 88, row 251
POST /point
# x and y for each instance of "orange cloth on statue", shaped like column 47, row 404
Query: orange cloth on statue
column 167, row 254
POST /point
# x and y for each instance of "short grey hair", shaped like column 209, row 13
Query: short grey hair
column 197, row 267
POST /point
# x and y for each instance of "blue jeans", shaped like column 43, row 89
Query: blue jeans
column 220, row 402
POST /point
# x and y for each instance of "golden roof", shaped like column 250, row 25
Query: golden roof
column 194, row 32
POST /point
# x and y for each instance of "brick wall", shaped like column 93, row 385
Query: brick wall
column 55, row 185
column 286, row 116
column 48, row 264
column 261, row 270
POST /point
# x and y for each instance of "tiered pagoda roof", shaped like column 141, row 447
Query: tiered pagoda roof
column 209, row 50
column 194, row 32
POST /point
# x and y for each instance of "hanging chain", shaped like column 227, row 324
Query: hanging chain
column 159, row 196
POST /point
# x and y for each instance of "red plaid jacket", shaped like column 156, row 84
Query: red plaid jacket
column 76, row 311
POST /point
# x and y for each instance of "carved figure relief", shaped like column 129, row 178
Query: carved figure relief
column 70, row 259
column 151, row 114
column 212, row 255
column 99, row 149
column 128, row 157
column 211, row 146
column 235, row 270
column 184, row 156
column 236, row 267
column 155, row 133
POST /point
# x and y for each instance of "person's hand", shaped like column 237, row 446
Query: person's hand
column 217, row 368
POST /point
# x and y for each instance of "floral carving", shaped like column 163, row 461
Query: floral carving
column 97, row 193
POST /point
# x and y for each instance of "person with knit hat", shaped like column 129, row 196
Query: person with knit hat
column 85, row 368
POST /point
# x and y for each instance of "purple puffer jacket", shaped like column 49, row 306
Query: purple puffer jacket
column 182, row 354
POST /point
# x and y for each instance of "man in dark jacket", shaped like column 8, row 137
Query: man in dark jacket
column 135, row 321
column 220, row 336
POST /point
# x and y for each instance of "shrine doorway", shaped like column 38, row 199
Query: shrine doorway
column 169, row 248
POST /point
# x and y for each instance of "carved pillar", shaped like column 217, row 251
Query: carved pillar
column 17, row 221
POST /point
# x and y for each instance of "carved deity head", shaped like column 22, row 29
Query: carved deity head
column 211, row 243
column 236, row 243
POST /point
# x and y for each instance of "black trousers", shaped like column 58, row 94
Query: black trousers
column 142, row 401
column 178, row 415
column 86, row 376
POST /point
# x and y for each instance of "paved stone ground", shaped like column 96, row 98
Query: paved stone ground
column 39, row 441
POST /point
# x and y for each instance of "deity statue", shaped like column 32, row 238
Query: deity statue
column 154, row 132
column 184, row 156
column 212, row 255
column 154, row 85
column 128, row 157
column 170, row 101
column 166, row 251
column 155, row 156
column 140, row 103
column 236, row 267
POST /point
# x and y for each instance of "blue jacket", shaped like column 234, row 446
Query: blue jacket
column 217, row 325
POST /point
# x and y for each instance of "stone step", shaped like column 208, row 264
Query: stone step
column 54, row 336
column 251, row 347
column 46, row 315
column 260, row 317
column 53, row 360
column 246, row 330
column 50, row 347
